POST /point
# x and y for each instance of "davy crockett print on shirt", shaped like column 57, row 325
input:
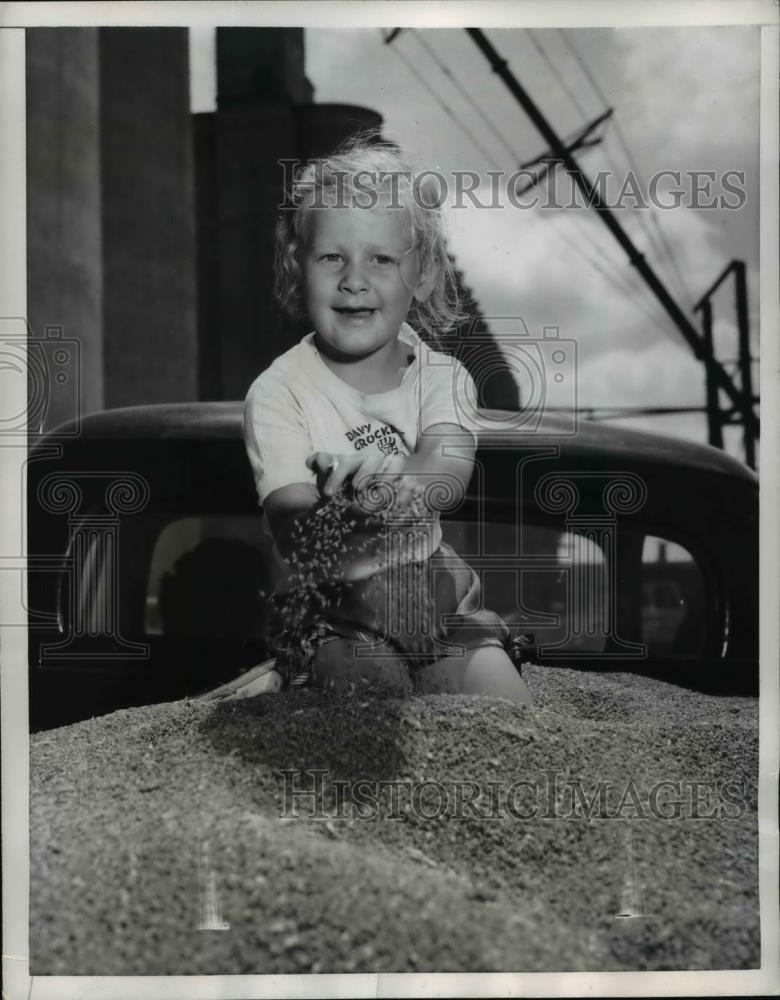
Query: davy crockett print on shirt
column 388, row 440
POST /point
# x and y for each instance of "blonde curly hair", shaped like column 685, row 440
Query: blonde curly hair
column 361, row 168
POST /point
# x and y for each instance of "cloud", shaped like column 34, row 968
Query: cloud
column 563, row 268
column 657, row 375
column 203, row 70
column 685, row 99
column 660, row 375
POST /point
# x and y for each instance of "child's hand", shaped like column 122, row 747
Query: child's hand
column 376, row 478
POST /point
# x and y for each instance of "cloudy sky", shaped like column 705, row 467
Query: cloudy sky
column 685, row 99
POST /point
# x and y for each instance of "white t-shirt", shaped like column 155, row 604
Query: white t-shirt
column 299, row 406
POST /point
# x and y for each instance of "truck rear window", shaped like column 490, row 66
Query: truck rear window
column 207, row 576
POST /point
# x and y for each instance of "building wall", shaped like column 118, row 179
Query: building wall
column 260, row 64
column 149, row 309
column 111, row 239
column 207, row 257
column 249, row 190
column 320, row 127
column 264, row 115
column 165, row 281
column 64, row 233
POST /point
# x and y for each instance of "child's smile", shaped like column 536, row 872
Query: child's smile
column 360, row 275
column 355, row 313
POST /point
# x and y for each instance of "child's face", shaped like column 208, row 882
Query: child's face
column 359, row 276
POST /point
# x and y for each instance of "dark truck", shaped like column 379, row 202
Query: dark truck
column 610, row 549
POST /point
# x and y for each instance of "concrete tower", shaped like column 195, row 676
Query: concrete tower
column 264, row 115
column 111, row 240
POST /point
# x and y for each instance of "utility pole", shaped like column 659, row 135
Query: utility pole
column 582, row 139
column 714, row 414
column 716, row 373
column 718, row 418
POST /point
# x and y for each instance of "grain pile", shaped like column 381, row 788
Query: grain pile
column 160, row 843
column 340, row 532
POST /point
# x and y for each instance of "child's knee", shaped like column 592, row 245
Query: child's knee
column 490, row 670
column 483, row 670
column 340, row 669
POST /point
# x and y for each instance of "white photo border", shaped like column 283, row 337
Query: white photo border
column 13, row 646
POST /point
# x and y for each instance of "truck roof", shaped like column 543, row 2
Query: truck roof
column 592, row 440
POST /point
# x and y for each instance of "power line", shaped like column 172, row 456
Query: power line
column 589, row 76
column 465, row 94
column 616, row 276
column 666, row 247
column 618, row 411
column 599, row 413
column 554, row 70
column 693, row 337
column 609, row 277
column 663, row 248
column 621, row 284
column 447, row 109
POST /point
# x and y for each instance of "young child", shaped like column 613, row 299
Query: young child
column 362, row 408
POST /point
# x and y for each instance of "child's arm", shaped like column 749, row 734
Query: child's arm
column 327, row 549
column 278, row 443
column 285, row 508
column 445, row 455
column 441, row 468
column 294, row 505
